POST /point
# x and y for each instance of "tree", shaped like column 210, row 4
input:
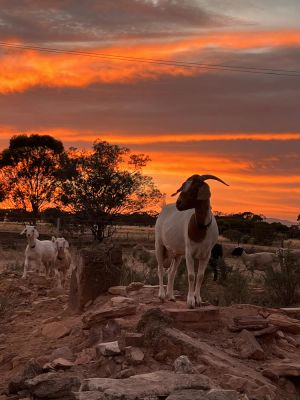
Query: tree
column 29, row 168
column 105, row 182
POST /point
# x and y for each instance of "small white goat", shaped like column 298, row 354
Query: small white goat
column 62, row 260
column 186, row 229
column 38, row 252
column 257, row 261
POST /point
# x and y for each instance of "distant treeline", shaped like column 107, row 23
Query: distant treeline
column 243, row 227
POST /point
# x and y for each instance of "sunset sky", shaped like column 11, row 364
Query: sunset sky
column 242, row 127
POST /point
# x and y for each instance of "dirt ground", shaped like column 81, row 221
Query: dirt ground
column 27, row 307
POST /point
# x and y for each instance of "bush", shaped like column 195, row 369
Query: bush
column 281, row 285
column 236, row 288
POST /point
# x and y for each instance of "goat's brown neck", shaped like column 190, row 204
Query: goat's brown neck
column 200, row 221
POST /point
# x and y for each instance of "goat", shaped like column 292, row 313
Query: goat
column 62, row 260
column 38, row 252
column 256, row 261
column 187, row 228
column 217, row 263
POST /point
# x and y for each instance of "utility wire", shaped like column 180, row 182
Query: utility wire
column 172, row 63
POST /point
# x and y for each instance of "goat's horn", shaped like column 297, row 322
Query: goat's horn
column 179, row 190
column 205, row 177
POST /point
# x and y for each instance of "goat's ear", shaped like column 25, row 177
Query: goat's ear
column 36, row 234
column 67, row 246
column 203, row 193
column 23, row 231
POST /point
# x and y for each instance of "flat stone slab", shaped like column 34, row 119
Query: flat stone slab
column 282, row 368
column 105, row 313
column 155, row 384
column 202, row 314
column 285, row 323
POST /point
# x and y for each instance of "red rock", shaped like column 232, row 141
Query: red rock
column 118, row 290
column 134, row 339
column 202, row 314
column 134, row 355
column 55, row 330
column 248, row 346
column 285, row 323
column 101, row 315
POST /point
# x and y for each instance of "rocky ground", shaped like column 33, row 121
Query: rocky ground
column 128, row 345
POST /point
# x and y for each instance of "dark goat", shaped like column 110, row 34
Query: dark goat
column 215, row 258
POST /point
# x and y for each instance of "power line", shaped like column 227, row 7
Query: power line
column 173, row 63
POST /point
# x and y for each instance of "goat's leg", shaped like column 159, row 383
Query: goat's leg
column 159, row 252
column 191, row 278
column 202, row 265
column 58, row 278
column 24, row 276
column 171, row 277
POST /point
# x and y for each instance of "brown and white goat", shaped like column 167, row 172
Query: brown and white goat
column 187, row 228
column 62, row 261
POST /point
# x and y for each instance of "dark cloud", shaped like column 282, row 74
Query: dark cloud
column 210, row 102
column 66, row 20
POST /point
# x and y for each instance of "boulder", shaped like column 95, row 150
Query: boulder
column 249, row 322
column 89, row 396
column 183, row 365
column 30, row 370
column 118, row 300
column 214, row 394
column 134, row 339
column 285, row 323
column 152, row 385
column 55, row 330
column 134, row 355
column 277, row 369
column 108, row 349
column 107, row 312
column 97, row 269
column 248, row 346
column 133, row 286
column 58, row 363
column 62, row 352
column 86, row 356
column 118, row 290
column 53, row 385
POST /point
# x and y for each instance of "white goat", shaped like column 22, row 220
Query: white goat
column 62, row 261
column 38, row 252
column 186, row 229
column 257, row 261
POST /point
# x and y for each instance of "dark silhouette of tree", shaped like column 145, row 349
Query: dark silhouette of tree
column 298, row 219
column 29, row 169
column 106, row 182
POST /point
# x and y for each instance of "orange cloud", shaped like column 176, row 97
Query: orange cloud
column 23, row 69
column 124, row 138
column 249, row 189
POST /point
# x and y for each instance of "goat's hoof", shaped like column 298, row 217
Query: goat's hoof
column 171, row 298
column 198, row 302
column 191, row 303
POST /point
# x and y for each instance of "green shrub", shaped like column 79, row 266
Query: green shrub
column 236, row 288
column 281, row 284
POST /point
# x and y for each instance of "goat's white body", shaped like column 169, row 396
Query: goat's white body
column 259, row 261
column 43, row 253
column 171, row 233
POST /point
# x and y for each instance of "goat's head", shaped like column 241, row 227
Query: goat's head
column 61, row 244
column 30, row 231
column 193, row 191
